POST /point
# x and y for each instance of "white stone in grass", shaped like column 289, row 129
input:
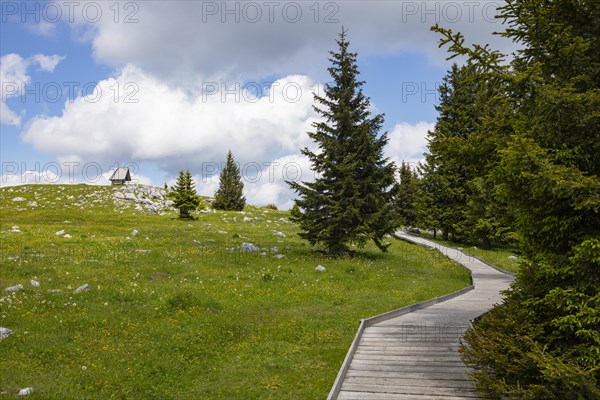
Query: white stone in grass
column 19, row 199
column 135, row 232
column 5, row 333
column 81, row 288
column 279, row 256
column 512, row 257
column 25, row 391
column 60, row 233
column 320, row 268
column 67, row 236
column 15, row 288
column 280, row 234
column 118, row 195
column 34, row 283
column 248, row 219
column 249, row 248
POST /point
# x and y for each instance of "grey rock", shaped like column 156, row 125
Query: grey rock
column 130, row 196
column 280, row 234
column 60, row 233
column 19, row 199
column 118, row 195
column 15, row 288
column 135, row 232
column 279, row 256
column 249, row 248
column 512, row 257
column 25, row 391
column 34, row 283
column 5, row 333
column 320, row 268
column 81, row 288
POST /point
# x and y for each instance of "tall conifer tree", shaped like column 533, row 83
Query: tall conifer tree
column 353, row 199
column 230, row 194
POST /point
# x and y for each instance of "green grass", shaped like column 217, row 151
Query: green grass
column 504, row 256
column 174, row 313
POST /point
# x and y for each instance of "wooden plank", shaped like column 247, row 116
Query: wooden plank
column 345, row 395
column 395, row 381
column 415, row 355
column 409, row 389
column 422, row 376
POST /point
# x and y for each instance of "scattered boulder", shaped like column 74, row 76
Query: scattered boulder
column 81, row 288
column 512, row 257
column 15, row 229
column 118, row 195
column 32, row 204
column 320, row 268
column 130, row 196
column 67, row 236
column 135, row 232
column 5, row 333
column 249, row 248
column 60, row 233
column 280, row 234
column 248, row 219
column 34, row 283
column 25, row 391
column 279, row 256
column 15, row 288
column 19, row 199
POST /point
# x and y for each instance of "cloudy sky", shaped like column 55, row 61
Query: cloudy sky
column 161, row 86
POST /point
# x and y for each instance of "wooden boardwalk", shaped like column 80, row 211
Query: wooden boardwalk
column 412, row 353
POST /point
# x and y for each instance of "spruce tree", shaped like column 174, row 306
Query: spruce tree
column 352, row 201
column 184, row 196
column 407, row 195
column 229, row 195
column 543, row 341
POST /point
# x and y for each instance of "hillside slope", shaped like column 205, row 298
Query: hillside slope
column 227, row 306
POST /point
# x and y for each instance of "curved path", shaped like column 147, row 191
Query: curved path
column 412, row 353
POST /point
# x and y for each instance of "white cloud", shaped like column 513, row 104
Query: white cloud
column 408, row 142
column 228, row 40
column 8, row 116
column 14, row 77
column 135, row 117
column 47, row 63
column 42, row 28
column 32, row 177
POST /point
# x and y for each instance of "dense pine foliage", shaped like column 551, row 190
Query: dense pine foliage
column 530, row 151
column 184, row 196
column 230, row 194
column 353, row 199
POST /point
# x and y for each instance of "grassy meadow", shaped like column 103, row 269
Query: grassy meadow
column 178, row 311
column 506, row 257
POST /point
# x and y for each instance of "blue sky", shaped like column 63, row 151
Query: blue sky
column 161, row 86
